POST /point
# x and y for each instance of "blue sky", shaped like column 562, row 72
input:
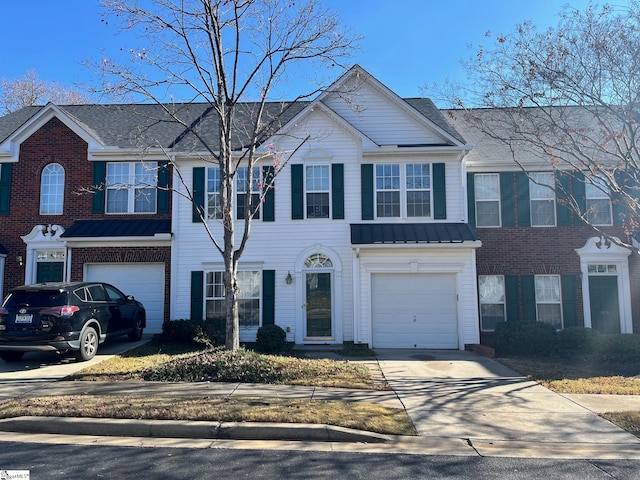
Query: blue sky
column 407, row 43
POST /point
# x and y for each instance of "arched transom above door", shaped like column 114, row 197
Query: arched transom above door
column 318, row 260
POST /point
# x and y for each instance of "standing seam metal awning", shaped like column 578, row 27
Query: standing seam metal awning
column 118, row 228
column 405, row 233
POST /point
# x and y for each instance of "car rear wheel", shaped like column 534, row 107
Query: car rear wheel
column 136, row 333
column 88, row 344
column 11, row 356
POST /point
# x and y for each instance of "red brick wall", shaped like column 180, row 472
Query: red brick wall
column 52, row 143
column 547, row 250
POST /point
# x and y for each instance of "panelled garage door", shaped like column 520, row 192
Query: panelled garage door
column 414, row 310
column 144, row 281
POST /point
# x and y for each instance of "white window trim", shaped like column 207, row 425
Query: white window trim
column 552, row 194
column 499, row 200
column 504, row 301
column 403, row 190
column 258, row 297
column 131, row 187
column 559, row 302
column 307, row 190
column 598, row 186
column 255, row 189
column 58, row 204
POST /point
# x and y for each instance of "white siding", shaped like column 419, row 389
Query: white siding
column 380, row 118
column 284, row 244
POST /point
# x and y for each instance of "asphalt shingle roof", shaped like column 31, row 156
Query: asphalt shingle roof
column 150, row 125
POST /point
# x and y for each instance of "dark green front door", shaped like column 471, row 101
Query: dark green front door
column 318, row 293
column 50, row 272
column 605, row 309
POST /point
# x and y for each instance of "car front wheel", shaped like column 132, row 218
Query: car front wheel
column 136, row 332
column 11, row 356
column 88, row 344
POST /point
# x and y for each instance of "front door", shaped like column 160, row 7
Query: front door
column 49, row 272
column 605, row 308
column 318, row 305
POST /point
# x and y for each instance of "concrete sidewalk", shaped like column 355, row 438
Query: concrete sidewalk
column 460, row 403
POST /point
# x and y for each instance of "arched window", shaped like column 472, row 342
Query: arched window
column 318, row 260
column 52, row 190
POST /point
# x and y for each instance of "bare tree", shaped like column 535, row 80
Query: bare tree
column 223, row 53
column 569, row 98
column 30, row 90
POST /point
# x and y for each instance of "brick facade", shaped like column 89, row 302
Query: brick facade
column 54, row 142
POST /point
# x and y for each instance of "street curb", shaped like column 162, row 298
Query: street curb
column 189, row 429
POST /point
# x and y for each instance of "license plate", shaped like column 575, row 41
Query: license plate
column 24, row 318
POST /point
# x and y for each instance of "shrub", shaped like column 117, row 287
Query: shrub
column 271, row 339
column 218, row 365
column 200, row 332
column 620, row 348
column 525, row 338
column 574, row 341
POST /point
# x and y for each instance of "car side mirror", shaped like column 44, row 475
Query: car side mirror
column 130, row 298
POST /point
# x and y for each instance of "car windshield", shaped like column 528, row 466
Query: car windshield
column 35, row 299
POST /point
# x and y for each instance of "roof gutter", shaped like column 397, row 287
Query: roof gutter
column 395, row 149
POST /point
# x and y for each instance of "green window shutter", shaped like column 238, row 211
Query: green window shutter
column 366, row 190
column 163, row 187
column 529, row 298
column 579, row 195
column 512, row 298
column 439, row 192
column 268, row 297
column 563, row 197
column 198, row 194
column 337, row 191
column 297, row 193
column 5, row 187
column 269, row 203
column 507, row 204
column 569, row 302
column 197, row 295
column 99, row 184
column 524, row 207
column 471, row 199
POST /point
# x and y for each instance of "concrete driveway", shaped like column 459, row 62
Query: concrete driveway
column 463, row 395
column 36, row 368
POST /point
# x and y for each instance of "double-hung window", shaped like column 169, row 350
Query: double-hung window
column 418, row 190
column 549, row 300
column 248, row 297
column 52, row 190
column 214, row 202
column 487, row 193
column 318, row 189
column 492, row 301
column 598, row 202
column 132, row 187
column 241, row 191
column 403, row 190
column 543, row 199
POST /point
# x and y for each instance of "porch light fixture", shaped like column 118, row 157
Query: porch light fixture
column 20, row 260
column 288, row 278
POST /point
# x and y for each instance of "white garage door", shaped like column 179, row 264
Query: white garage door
column 145, row 281
column 414, row 310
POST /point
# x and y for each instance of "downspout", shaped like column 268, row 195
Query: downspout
column 357, row 330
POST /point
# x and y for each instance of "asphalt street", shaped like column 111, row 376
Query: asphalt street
column 72, row 462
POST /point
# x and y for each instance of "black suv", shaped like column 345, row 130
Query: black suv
column 66, row 316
